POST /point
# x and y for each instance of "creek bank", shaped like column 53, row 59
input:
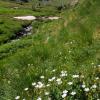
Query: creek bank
column 27, row 30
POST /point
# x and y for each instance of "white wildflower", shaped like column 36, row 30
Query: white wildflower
column 97, row 78
column 39, row 82
column 50, row 80
column 65, row 91
column 75, row 76
column 70, row 83
column 42, row 77
column 59, row 81
column 48, row 85
column 83, row 86
column 40, row 85
column 29, row 64
column 46, row 93
column 9, row 82
column 64, row 95
column 53, row 70
column 26, row 89
column 39, row 98
column 53, row 78
column 63, row 71
column 73, row 93
column 94, row 86
column 98, row 65
column 86, row 89
column 33, row 84
column 37, row 86
column 18, row 97
column 62, row 75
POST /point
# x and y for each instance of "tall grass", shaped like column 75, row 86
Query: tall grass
column 66, row 55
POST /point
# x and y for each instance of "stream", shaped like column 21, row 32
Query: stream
column 27, row 30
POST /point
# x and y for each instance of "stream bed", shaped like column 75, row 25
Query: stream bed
column 27, row 30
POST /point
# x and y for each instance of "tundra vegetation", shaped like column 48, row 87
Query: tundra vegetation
column 59, row 60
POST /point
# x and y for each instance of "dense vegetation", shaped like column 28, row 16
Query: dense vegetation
column 59, row 60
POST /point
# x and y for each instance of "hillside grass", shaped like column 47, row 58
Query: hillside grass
column 67, row 47
column 10, row 26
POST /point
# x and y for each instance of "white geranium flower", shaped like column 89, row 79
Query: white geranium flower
column 53, row 78
column 65, row 92
column 98, row 65
column 97, row 78
column 33, row 84
column 75, row 76
column 64, row 95
column 53, row 70
column 63, row 71
column 26, row 89
column 86, row 89
column 83, row 86
column 73, row 93
column 40, row 85
column 42, row 77
column 18, row 97
column 94, row 86
column 63, row 75
column 59, row 81
column 39, row 98
column 50, row 80
column 46, row 93
column 70, row 83
column 48, row 85
column 37, row 86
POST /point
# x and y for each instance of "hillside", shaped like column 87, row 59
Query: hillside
column 58, row 60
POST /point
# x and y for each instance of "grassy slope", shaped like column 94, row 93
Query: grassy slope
column 67, row 44
column 8, row 25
